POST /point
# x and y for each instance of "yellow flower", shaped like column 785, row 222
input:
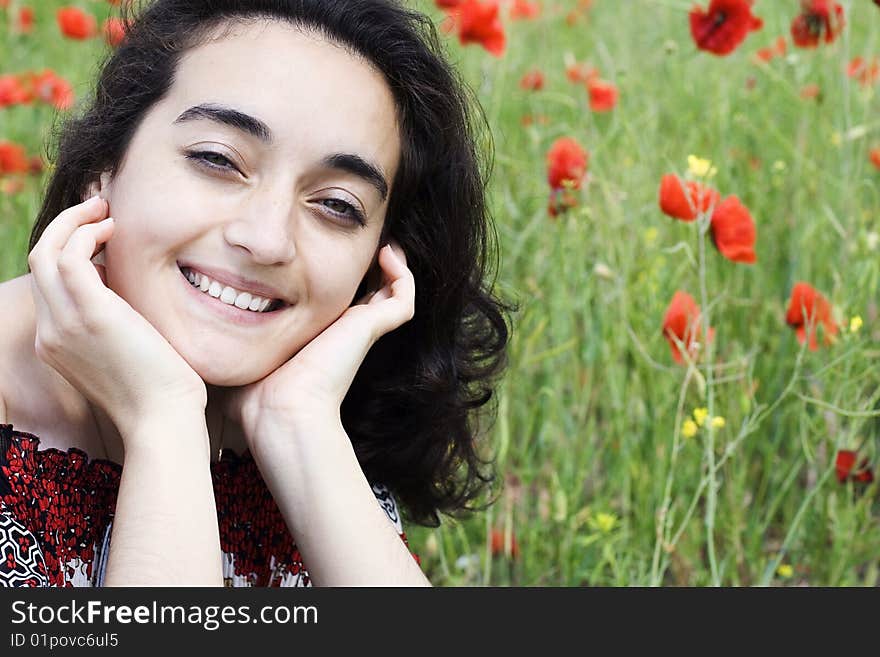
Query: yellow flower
column 605, row 522
column 785, row 571
column 700, row 415
column 651, row 235
column 701, row 168
column 689, row 429
column 718, row 422
column 855, row 324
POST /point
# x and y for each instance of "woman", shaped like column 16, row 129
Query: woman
column 285, row 319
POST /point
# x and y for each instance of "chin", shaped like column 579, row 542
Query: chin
column 226, row 374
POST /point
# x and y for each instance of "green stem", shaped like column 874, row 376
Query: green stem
column 711, row 496
column 663, row 520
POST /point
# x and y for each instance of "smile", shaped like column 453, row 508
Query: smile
column 228, row 303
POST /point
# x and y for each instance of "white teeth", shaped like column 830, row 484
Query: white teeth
column 242, row 301
column 226, row 294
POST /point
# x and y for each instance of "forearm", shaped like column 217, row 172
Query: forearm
column 344, row 536
column 165, row 527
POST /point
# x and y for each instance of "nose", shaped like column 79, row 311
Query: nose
column 264, row 227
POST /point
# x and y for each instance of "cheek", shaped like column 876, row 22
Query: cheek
column 333, row 283
column 156, row 225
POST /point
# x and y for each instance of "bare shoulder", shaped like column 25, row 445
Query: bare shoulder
column 33, row 396
column 14, row 293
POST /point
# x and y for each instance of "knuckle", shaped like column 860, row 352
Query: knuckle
column 66, row 264
column 46, row 342
column 90, row 324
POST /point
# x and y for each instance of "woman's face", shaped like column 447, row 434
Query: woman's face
column 247, row 169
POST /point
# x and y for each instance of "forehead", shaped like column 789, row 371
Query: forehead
column 315, row 96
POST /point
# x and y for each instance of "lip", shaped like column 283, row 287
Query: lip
column 230, row 314
column 238, row 282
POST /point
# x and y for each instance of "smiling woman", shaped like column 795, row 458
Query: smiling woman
column 257, row 306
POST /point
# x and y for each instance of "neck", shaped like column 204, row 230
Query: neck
column 223, row 434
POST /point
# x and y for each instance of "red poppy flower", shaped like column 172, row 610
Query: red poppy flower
column 76, row 24
column 675, row 203
column 522, row 9
column 51, row 88
column 733, row 230
column 497, row 544
column 24, row 21
column 579, row 72
column 603, row 95
column 818, row 20
column 807, row 308
column 566, row 163
column 844, row 463
column 810, row 91
column 724, row 26
column 113, row 30
column 12, row 158
column 532, row 80
column 478, row 22
column 770, row 52
column 682, row 323
column 866, row 73
column 13, row 92
column 448, row 4
column 874, row 154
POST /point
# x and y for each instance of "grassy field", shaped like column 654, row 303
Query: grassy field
column 601, row 486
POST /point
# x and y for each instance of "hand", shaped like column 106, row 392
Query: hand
column 94, row 338
column 315, row 381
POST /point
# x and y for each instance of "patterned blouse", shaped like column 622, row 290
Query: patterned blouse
column 56, row 516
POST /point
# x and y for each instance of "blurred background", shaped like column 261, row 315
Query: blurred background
column 663, row 171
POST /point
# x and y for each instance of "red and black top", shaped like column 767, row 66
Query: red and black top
column 56, row 515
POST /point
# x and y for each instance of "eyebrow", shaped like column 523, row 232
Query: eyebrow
column 348, row 162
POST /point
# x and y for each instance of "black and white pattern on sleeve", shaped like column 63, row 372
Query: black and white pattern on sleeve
column 22, row 561
column 389, row 505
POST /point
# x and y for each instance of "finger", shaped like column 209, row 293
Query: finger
column 401, row 279
column 59, row 230
column 78, row 274
column 43, row 258
column 399, row 292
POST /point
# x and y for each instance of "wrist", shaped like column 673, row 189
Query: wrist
column 294, row 421
column 170, row 432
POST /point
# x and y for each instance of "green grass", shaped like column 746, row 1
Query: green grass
column 590, row 411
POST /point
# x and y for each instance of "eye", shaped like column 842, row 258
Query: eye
column 348, row 213
column 211, row 160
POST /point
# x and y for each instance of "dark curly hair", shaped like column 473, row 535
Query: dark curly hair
column 410, row 409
